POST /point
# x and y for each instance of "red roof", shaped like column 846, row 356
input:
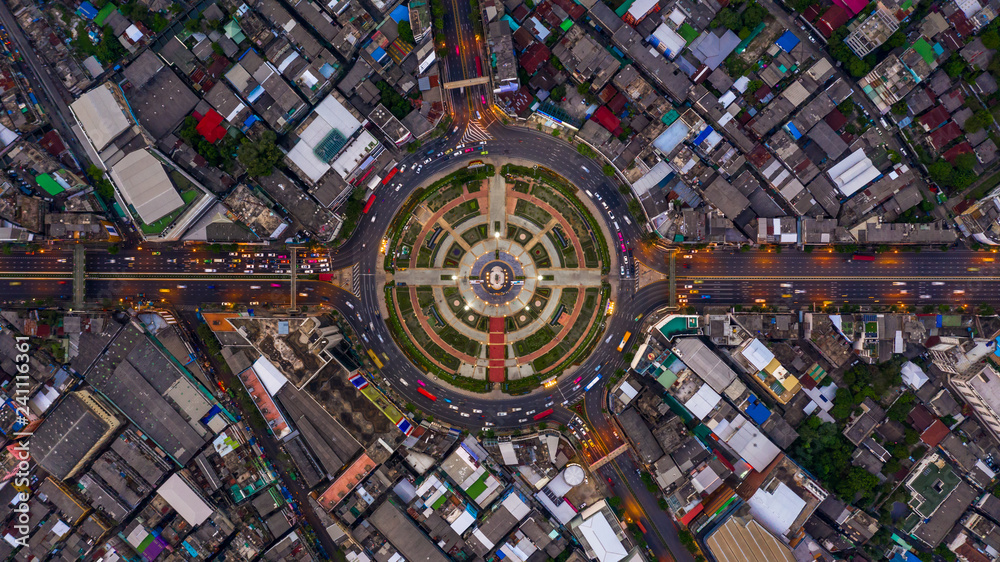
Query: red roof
column 934, row 434
column 617, row 104
column 942, row 136
column 854, row 7
column 811, row 12
column 574, row 10
column 534, row 57
column 835, row 119
column 833, row 18
column 52, row 144
column 961, row 23
column 934, row 118
column 605, row 118
column 689, row 516
column 608, row 93
column 955, row 151
column 211, row 127
column 920, row 418
column 44, row 330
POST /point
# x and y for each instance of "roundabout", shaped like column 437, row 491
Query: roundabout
column 496, row 278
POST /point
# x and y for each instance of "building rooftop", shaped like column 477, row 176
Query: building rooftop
column 704, row 362
column 100, row 116
column 404, row 535
column 637, row 430
column 146, row 186
column 67, row 435
column 742, row 539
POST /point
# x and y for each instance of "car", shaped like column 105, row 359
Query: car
column 460, row 147
column 61, row 260
column 800, row 291
column 156, row 253
column 467, row 150
column 925, row 296
column 623, row 271
column 759, row 301
column 938, row 283
column 482, row 98
column 706, row 296
column 182, row 286
column 439, row 154
column 464, row 415
column 420, row 167
column 420, row 382
column 452, row 406
column 611, row 482
column 427, row 161
column 457, row 52
column 577, row 380
column 129, row 259
column 522, row 420
column 209, row 271
column 62, row 282
column 611, row 215
column 247, row 271
column 688, row 256
column 275, row 284
column 482, row 143
column 959, row 291
column 598, row 368
column 255, row 287
column 786, row 285
column 501, row 413
column 398, row 186
column 898, row 283
column 475, row 411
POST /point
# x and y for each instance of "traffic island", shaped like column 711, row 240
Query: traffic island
column 497, row 280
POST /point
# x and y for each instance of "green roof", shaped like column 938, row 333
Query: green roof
column 478, row 487
column 104, row 13
column 50, row 185
column 668, row 119
column 439, row 502
column 933, row 484
column 688, row 32
column 924, row 49
column 567, row 24
column 667, row 379
column 624, row 8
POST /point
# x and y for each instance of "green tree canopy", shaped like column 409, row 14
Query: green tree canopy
column 261, row 156
column 405, row 32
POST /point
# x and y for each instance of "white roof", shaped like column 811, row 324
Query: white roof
column 269, row 375
column 464, row 521
column 654, row 176
column 641, row 7
column 776, row 510
column 702, row 402
column 354, row 154
column 145, row 185
column 516, row 506
column 670, row 42
column 853, row 172
column 602, row 539
column 913, row 375
column 758, row 354
column 507, row 452
column 330, row 114
column 99, row 115
column 184, row 500
column 628, row 391
column 753, row 446
column 7, row 136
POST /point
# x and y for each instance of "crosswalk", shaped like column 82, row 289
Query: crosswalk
column 475, row 132
column 356, row 280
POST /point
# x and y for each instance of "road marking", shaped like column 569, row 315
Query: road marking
column 475, row 133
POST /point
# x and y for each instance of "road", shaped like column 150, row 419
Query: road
column 53, row 96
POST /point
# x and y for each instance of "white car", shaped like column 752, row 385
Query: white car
column 689, row 286
column 898, row 283
column 938, row 283
column 501, row 413
column 475, row 411
column 453, row 407
column 427, row 161
column 398, row 186
column 786, row 285
column 464, row 415
column 925, row 296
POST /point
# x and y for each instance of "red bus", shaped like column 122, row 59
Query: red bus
column 368, row 205
column 541, row 415
column 859, row 257
column 388, row 177
column 641, row 526
column 479, row 67
column 427, row 394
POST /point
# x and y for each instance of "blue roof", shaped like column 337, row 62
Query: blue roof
column 758, row 412
column 379, row 54
column 401, row 13
column 793, row 130
column 787, row 41
column 87, row 10
column 703, row 135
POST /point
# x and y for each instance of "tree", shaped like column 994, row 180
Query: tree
column 979, row 120
column 754, row 85
column 843, row 404
column 990, row 39
column 965, row 162
column 897, row 39
column 260, row 157
column 583, row 88
column 801, row 5
column 193, row 25
column 585, row 150
column 899, row 108
column 559, row 92
column 901, row 407
column 955, row 66
column 857, row 67
column 941, row 172
column 608, row 170
column 113, row 249
column 405, row 32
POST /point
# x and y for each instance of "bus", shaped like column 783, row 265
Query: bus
column 389, row 176
column 641, row 526
column 860, row 257
column 368, row 205
column 621, row 346
column 375, row 359
column 429, row 396
column 591, row 383
column 479, row 67
column 541, row 415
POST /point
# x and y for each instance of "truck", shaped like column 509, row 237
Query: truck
column 862, row 257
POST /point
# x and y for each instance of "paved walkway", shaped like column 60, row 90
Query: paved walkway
column 571, row 277
column 432, row 221
column 567, row 229
column 498, row 204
